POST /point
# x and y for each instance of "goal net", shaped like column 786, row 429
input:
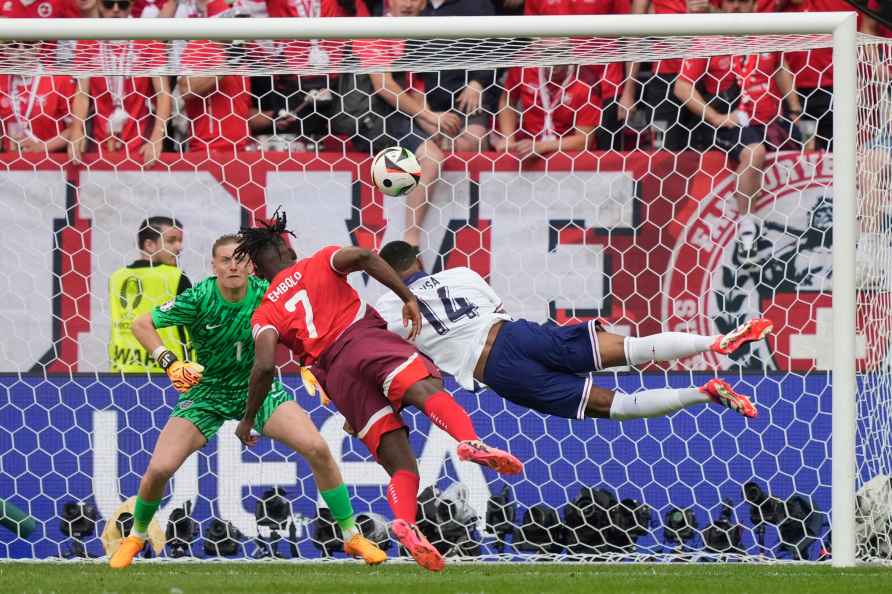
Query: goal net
column 583, row 177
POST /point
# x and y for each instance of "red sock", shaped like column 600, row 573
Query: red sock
column 449, row 416
column 402, row 495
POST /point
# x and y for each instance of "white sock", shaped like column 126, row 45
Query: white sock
column 666, row 346
column 138, row 534
column 654, row 403
column 350, row 533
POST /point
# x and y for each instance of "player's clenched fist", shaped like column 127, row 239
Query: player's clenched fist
column 184, row 374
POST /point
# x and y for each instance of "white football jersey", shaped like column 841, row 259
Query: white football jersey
column 458, row 308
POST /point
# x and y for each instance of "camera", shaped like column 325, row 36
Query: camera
column 723, row 536
column 181, row 531
column 222, row 539
column 501, row 513
column 271, row 514
column 78, row 523
column 680, row 526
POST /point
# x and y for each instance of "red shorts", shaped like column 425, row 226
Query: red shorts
column 366, row 372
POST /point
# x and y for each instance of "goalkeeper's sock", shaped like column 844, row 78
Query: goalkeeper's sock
column 338, row 501
column 402, row 495
column 654, row 403
column 666, row 346
column 142, row 515
column 449, row 416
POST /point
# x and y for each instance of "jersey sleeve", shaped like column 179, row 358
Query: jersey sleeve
column 261, row 320
column 485, row 288
column 324, row 260
column 692, row 70
column 179, row 311
column 392, row 311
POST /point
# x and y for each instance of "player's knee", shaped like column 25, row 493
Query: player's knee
column 612, row 349
column 316, row 452
column 420, row 391
column 599, row 403
column 159, row 472
column 394, row 453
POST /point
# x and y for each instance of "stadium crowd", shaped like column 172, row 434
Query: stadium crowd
column 743, row 105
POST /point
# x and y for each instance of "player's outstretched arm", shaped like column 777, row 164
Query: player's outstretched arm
column 261, row 381
column 351, row 259
column 144, row 331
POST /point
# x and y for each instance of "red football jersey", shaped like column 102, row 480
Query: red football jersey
column 40, row 105
column 219, row 119
column 324, row 53
column 760, row 96
column 814, row 68
column 41, row 9
column 309, row 305
column 110, row 93
column 550, row 109
column 189, row 9
column 383, row 53
column 609, row 78
column 673, row 7
column 713, row 74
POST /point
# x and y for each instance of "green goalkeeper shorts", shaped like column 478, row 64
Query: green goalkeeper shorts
column 208, row 410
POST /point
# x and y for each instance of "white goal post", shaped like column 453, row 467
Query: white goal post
column 841, row 26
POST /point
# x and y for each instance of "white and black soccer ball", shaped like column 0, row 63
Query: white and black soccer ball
column 395, row 171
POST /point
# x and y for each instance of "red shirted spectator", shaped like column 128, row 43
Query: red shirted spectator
column 614, row 82
column 300, row 54
column 667, row 116
column 122, row 121
column 35, row 112
column 741, row 97
column 178, row 9
column 218, row 107
column 39, row 9
column 543, row 110
column 408, row 120
column 87, row 9
column 813, row 69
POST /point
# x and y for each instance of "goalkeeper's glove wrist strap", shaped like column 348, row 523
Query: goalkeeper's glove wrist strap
column 163, row 357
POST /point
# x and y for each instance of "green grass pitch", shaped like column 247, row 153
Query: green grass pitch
column 397, row 578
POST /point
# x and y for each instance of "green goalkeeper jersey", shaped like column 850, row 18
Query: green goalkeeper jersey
column 220, row 331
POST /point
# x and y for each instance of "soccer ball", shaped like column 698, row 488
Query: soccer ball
column 395, row 171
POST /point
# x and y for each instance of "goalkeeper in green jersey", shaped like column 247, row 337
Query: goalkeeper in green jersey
column 217, row 312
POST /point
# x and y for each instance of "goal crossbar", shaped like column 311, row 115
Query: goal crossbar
column 224, row 29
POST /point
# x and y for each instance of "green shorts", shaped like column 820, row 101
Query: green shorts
column 208, row 410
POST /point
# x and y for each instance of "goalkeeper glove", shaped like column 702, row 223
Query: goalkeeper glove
column 311, row 385
column 183, row 374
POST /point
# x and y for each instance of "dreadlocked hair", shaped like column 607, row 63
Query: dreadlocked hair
column 252, row 241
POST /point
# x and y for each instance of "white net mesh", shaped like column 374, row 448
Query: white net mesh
column 872, row 259
column 570, row 207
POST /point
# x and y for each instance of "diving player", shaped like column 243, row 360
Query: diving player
column 468, row 335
